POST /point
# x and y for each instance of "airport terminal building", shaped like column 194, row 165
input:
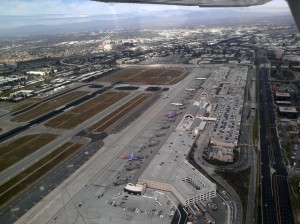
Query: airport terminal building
column 221, row 102
column 171, row 171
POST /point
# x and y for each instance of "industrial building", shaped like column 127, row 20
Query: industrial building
column 284, row 103
column 289, row 112
column 282, row 96
column 221, row 154
column 42, row 73
column 5, row 81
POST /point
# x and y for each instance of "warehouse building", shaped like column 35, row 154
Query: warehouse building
column 289, row 112
column 282, row 96
column 221, row 154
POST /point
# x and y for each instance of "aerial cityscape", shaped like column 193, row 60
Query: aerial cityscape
column 195, row 122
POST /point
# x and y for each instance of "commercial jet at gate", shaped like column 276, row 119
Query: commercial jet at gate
column 170, row 115
column 294, row 4
column 131, row 158
column 190, row 89
column 176, row 104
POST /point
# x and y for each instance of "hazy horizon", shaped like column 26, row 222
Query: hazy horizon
column 19, row 17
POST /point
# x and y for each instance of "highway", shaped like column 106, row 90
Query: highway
column 275, row 199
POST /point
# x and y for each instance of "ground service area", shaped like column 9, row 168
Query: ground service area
column 137, row 138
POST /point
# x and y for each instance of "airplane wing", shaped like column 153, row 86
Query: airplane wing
column 294, row 4
column 201, row 3
column 295, row 8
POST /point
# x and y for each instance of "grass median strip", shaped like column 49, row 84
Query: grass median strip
column 37, row 170
column 49, row 106
column 148, row 76
column 22, row 147
column 25, row 103
column 106, row 122
column 83, row 112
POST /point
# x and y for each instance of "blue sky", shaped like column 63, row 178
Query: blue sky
column 82, row 8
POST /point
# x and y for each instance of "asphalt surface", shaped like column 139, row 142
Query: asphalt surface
column 231, row 197
column 275, row 200
column 15, row 169
column 27, row 199
column 103, row 168
column 176, row 219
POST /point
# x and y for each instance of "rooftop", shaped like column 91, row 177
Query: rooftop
column 282, row 94
column 288, row 109
column 171, row 167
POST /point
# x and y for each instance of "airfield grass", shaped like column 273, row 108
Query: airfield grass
column 83, row 112
column 22, row 147
column 148, row 76
column 240, row 183
column 287, row 153
column 25, row 103
column 26, row 178
column 106, row 122
column 48, row 106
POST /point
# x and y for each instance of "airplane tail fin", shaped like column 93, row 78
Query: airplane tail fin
column 123, row 156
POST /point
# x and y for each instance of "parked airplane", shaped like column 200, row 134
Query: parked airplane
column 131, row 158
column 198, row 78
column 170, row 115
column 190, row 89
column 176, row 104
column 165, row 96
